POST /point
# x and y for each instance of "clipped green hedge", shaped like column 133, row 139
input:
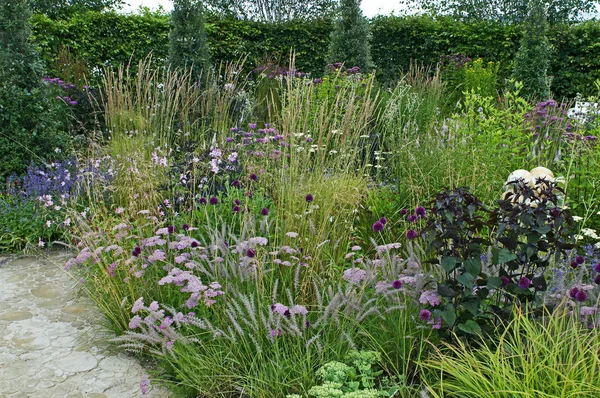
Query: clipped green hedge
column 110, row 38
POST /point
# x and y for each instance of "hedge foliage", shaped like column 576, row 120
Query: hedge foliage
column 110, row 38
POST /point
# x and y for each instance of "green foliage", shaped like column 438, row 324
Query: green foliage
column 511, row 11
column 349, row 42
column 272, row 10
column 20, row 65
column 188, row 47
column 63, row 8
column 532, row 61
column 103, row 39
column 32, row 126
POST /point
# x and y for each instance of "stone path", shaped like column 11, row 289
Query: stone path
column 51, row 343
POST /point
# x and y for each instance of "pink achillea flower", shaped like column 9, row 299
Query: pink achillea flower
column 354, row 275
column 587, row 311
column 299, row 310
column 145, row 384
column 135, row 322
column 138, row 305
column 280, row 309
column 429, row 297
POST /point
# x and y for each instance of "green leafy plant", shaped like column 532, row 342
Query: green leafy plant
column 528, row 231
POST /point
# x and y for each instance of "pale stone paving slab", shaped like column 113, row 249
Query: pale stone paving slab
column 51, row 342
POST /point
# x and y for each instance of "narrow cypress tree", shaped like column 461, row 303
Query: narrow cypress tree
column 20, row 65
column 532, row 61
column 349, row 41
column 188, row 43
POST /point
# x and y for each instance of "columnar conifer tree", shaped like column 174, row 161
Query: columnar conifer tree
column 533, row 58
column 188, row 43
column 349, row 41
column 20, row 65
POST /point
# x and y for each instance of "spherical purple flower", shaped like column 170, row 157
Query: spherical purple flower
column 403, row 212
column 202, row 201
column 237, row 202
column 253, row 177
column 383, row 220
column 185, row 227
column 420, row 211
column 250, row 253
column 213, row 200
column 235, row 209
column 581, row 296
column 573, row 292
column 397, row 284
column 574, row 264
column 504, row 281
column 171, row 229
column 378, row 226
column 195, row 244
column 524, row 282
column 425, row 315
column 309, row 198
column 597, row 280
column 580, row 259
column 597, row 267
column 412, row 217
column 136, row 251
column 411, row 234
column 264, row 211
column 236, row 183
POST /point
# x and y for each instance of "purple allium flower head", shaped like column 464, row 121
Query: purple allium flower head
column 235, row 209
column 253, row 177
column 420, row 211
column 378, row 226
column 574, row 264
column 171, row 229
column 250, row 253
column 194, row 244
column 383, row 220
column 580, row 259
column 597, row 267
column 425, row 315
column 185, row 227
column 136, row 251
column 237, row 202
column 412, row 217
column 236, row 183
column 573, row 292
column 411, row 234
column 202, row 201
column 524, row 282
column 504, row 281
column 581, row 296
column 309, row 198
column 403, row 212
column 213, row 200
column 264, row 211
column 397, row 284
